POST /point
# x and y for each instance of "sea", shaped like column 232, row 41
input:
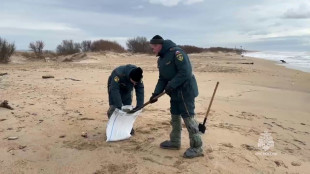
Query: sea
column 294, row 60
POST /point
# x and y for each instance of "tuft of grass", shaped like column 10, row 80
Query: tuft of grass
column 6, row 50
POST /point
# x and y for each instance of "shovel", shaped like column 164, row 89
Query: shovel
column 145, row 104
column 202, row 127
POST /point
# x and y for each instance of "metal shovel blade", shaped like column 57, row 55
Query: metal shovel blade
column 132, row 111
column 202, row 128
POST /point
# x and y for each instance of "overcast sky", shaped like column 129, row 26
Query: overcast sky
column 257, row 25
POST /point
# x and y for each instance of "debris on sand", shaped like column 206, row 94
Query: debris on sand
column 47, row 77
column 22, row 147
column 5, row 104
column 227, row 145
column 3, row 74
column 86, row 118
column 245, row 63
column 248, row 63
column 72, row 79
column 62, row 136
column 12, row 138
column 84, row 134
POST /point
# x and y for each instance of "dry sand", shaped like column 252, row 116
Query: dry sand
column 50, row 114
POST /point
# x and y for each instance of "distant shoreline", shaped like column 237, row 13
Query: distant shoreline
column 293, row 60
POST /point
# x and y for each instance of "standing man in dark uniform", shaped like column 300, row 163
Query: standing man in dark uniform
column 178, row 81
column 120, row 87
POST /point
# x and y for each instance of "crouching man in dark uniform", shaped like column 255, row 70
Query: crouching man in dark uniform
column 120, row 87
column 178, row 81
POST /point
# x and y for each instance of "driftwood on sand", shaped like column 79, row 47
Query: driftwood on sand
column 72, row 79
column 47, row 77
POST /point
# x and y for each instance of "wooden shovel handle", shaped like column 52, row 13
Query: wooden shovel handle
column 204, row 121
column 147, row 103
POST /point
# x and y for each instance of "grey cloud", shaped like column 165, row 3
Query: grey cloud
column 257, row 32
column 171, row 3
column 290, row 15
column 302, row 12
column 279, row 44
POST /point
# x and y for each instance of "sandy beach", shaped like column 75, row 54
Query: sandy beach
column 50, row 114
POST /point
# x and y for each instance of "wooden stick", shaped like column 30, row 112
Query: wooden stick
column 204, row 121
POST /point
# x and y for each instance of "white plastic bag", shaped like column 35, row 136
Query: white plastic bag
column 120, row 124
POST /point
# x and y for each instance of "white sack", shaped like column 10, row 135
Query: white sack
column 120, row 124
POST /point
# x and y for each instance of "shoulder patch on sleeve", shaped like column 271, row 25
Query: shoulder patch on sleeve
column 179, row 55
column 116, row 79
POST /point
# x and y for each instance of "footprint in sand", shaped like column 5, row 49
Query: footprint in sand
column 135, row 145
column 267, row 118
column 289, row 150
column 143, row 131
column 268, row 124
column 169, row 157
column 154, row 129
column 247, row 116
column 300, row 142
column 296, row 163
column 83, row 144
column 249, row 147
column 165, row 123
column 280, row 163
column 178, row 164
column 231, row 127
column 113, row 168
column 227, row 145
column 289, row 128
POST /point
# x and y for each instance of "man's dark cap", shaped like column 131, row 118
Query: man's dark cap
column 136, row 74
column 157, row 40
